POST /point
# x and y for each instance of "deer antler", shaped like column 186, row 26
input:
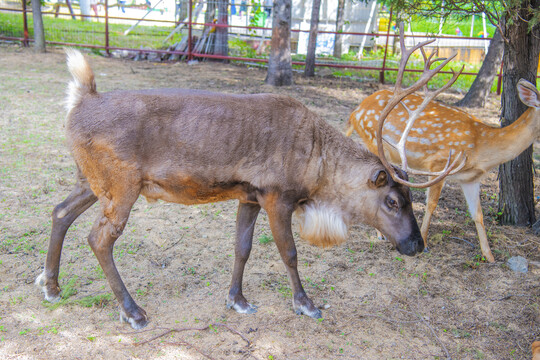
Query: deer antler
column 399, row 94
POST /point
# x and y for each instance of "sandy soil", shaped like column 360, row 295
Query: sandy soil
column 177, row 260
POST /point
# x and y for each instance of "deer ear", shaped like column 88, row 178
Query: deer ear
column 528, row 93
column 379, row 179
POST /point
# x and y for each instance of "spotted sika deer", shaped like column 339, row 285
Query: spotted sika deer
column 192, row 147
column 440, row 130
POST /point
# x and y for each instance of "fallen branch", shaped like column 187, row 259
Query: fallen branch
column 173, row 330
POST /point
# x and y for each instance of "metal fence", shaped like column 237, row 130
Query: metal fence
column 111, row 29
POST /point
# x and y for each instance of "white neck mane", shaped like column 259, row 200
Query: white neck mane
column 322, row 224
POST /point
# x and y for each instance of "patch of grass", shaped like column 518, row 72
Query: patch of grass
column 265, row 239
column 99, row 300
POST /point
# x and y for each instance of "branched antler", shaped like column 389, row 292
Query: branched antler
column 399, row 94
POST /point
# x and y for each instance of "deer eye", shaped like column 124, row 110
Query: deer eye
column 392, row 203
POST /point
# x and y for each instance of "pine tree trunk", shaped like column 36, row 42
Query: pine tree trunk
column 520, row 61
column 222, row 33
column 279, row 62
column 339, row 28
column 312, row 41
column 481, row 87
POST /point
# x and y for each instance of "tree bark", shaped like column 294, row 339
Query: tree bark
column 279, row 62
column 339, row 28
column 39, row 31
column 520, row 60
column 481, row 87
column 222, row 33
column 309, row 70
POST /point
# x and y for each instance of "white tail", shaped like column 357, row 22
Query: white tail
column 441, row 130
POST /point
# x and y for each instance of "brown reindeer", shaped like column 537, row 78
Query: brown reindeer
column 193, row 147
column 439, row 130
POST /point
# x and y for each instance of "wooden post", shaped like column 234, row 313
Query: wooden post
column 381, row 74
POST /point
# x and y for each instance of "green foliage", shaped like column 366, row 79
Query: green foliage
column 265, row 239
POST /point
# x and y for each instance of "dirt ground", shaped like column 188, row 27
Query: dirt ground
column 177, row 260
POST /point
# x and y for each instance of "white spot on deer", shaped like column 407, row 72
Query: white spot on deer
column 359, row 114
column 448, row 130
column 437, row 125
column 432, row 135
column 455, row 130
column 377, row 97
column 402, row 119
column 483, row 133
column 463, row 142
column 451, row 143
column 431, row 152
column 389, row 127
column 441, row 147
column 406, row 101
column 429, row 122
column 425, row 141
column 370, row 112
column 401, row 113
column 419, row 131
column 370, row 124
column 377, row 117
column 413, row 139
column 468, row 132
column 382, row 102
column 422, row 113
column 447, row 122
column 471, row 145
column 422, row 121
column 412, row 106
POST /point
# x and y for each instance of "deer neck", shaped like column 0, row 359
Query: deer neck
column 500, row 145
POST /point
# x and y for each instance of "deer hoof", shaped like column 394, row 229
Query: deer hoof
column 241, row 306
column 51, row 293
column 308, row 309
column 137, row 322
column 426, row 250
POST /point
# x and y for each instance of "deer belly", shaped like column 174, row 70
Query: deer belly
column 189, row 192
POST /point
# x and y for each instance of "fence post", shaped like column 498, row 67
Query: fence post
column 499, row 80
column 381, row 74
column 25, row 22
column 190, row 56
column 107, row 27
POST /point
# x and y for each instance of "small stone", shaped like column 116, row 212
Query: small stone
column 326, row 306
column 518, row 264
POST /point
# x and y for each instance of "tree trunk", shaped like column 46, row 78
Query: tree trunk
column 481, row 87
column 312, row 41
column 222, row 33
column 520, row 61
column 279, row 62
column 339, row 28
column 39, row 31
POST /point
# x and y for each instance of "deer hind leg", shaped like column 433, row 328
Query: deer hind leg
column 279, row 215
column 472, row 195
column 245, row 225
column 63, row 215
column 432, row 199
column 115, row 208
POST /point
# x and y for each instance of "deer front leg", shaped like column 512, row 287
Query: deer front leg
column 472, row 195
column 64, row 214
column 245, row 224
column 107, row 228
column 279, row 215
column 432, row 199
